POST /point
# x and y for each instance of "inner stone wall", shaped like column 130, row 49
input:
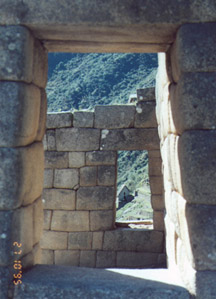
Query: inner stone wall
column 186, row 105
column 80, row 187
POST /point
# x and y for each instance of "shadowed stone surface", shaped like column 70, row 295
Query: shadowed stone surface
column 81, row 240
column 95, row 198
column 197, row 164
column 130, row 139
column 77, row 139
column 83, row 119
column 56, row 199
column 114, row 116
column 56, row 160
column 146, row 94
column 16, row 168
column 131, row 239
column 58, row 120
column 101, row 158
column 193, row 101
column 59, row 282
column 16, row 53
column 136, row 259
column 198, row 40
column 73, row 221
column 5, row 280
column 18, row 99
column 201, row 222
column 145, row 115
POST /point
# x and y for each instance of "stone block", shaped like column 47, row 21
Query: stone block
column 154, row 166
column 47, row 257
column 59, row 120
column 205, row 284
column 145, row 116
column 67, row 257
column 51, row 140
column 101, row 158
column 71, row 221
column 37, row 220
column 193, row 50
column 66, row 178
column 16, row 54
column 5, row 282
column 197, row 166
column 88, row 176
column 17, row 182
column 83, row 119
column 197, row 227
column 162, row 260
column 101, row 220
column 56, row 160
column 193, row 102
column 32, row 258
column 133, row 240
column 136, row 260
column 158, row 220
column 95, row 198
column 106, row 175
column 154, row 154
column 47, row 219
column 77, row 139
column 59, row 199
column 129, row 139
column 76, row 159
column 40, row 64
column 106, row 259
column 33, row 177
column 146, row 94
column 97, row 241
column 15, row 226
column 80, row 240
column 156, row 184
column 87, row 258
column 42, row 118
column 114, row 116
column 48, row 177
column 54, row 240
column 19, row 115
column 157, row 202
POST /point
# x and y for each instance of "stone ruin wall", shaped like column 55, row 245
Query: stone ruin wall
column 80, row 187
column 23, row 70
column 185, row 113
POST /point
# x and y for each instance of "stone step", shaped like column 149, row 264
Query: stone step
column 62, row 282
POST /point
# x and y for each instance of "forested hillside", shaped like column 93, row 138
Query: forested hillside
column 81, row 81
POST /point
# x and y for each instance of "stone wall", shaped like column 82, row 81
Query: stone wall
column 22, row 122
column 186, row 116
column 80, row 187
column 185, row 113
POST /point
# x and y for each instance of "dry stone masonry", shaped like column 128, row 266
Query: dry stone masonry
column 185, row 95
column 80, row 187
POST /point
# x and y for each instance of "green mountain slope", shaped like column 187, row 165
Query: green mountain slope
column 81, row 81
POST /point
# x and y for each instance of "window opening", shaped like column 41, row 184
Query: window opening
column 133, row 202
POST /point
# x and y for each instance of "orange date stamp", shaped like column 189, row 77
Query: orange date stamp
column 17, row 264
